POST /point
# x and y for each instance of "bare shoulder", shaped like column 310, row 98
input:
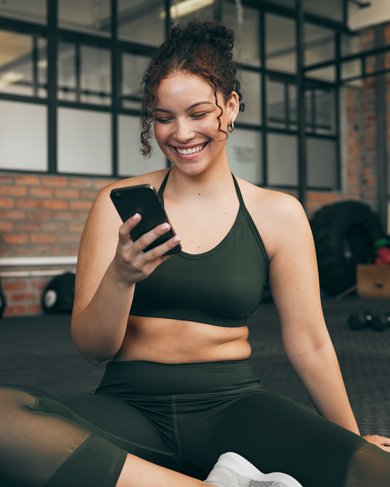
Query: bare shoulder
column 274, row 213
column 154, row 178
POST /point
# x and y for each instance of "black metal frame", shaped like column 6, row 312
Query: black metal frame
column 117, row 47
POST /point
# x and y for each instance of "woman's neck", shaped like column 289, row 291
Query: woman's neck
column 211, row 183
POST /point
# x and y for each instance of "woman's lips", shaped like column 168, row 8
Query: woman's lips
column 190, row 152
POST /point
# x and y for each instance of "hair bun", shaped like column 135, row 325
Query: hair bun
column 211, row 32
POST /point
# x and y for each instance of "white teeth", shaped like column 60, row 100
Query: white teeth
column 190, row 151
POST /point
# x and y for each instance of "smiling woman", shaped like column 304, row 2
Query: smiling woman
column 179, row 394
column 191, row 55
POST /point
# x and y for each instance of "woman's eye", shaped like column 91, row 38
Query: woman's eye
column 199, row 115
column 163, row 120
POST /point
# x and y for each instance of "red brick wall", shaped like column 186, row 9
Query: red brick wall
column 44, row 215
column 23, row 295
column 40, row 216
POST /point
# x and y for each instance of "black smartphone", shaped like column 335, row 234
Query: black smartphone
column 143, row 199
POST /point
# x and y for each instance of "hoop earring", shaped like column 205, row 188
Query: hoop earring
column 231, row 127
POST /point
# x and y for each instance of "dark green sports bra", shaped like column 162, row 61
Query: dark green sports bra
column 221, row 287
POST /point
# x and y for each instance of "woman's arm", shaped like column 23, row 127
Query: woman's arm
column 109, row 264
column 295, row 288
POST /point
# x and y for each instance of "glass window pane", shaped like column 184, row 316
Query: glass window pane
column 142, row 21
column 23, row 126
column 331, row 9
column 247, row 33
column 84, row 141
column 66, row 63
column 42, row 67
column 351, row 69
column 292, row 107
column 282, row 160
column 95, row 82
column 276, row 104
column 325, row 111
column 91, row 83
column 386, row 33
column 251, row 96
column 325, row 74
column 350, row 44
column 319, row 44
column 131, row 162
column 31, row 10
column 244, row 151
column 280, row 43
column 16, row 66
column 85, row 15
column 133, row 68
column 321, row 163
column 370, row 64
column 309, row 110
column 183, row 11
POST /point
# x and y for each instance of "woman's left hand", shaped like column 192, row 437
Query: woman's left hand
column 380, row 441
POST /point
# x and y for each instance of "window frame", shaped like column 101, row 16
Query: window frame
column 54, row 34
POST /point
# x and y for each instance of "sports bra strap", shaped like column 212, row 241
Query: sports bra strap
column 162, row 187
column 238, row 191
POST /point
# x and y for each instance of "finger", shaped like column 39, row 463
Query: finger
column 148, row 238
column 380, row 441
column 156, row 256
column 160, row 251
column 127, row 226
column 384, row 440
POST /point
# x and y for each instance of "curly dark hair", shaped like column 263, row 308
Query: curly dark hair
column 200, row 47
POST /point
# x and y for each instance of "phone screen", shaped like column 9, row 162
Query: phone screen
column 143, row 199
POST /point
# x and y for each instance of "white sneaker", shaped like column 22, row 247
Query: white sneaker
column 233, row 470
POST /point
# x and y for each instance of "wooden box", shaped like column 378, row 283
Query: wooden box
column 373, row 281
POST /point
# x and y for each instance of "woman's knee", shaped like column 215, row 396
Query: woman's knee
column 14, row 404
column 11, row 397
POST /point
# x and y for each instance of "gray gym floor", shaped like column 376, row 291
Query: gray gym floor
column 38, row 351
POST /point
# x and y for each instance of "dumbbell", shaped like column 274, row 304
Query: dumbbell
column 359, row 321
column 380, row 321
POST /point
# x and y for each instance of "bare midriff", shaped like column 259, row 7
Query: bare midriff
column 174, row 341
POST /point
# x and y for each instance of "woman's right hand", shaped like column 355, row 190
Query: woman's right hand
column 131, row 262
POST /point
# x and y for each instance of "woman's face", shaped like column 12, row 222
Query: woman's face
column 186, row 123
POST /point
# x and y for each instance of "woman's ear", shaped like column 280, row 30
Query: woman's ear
column 233, row 106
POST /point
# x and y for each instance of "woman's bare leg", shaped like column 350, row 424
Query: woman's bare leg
column 137, row 472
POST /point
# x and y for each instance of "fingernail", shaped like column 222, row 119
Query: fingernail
column 176, row 239
column 164, row 226
column 136, row 216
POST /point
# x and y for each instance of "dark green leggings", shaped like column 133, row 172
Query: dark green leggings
column 178, row 416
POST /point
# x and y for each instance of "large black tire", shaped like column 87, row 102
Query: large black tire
column 344, row 235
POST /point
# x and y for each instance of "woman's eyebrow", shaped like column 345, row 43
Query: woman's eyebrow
column 189, row 108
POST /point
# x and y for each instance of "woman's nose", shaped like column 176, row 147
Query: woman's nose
column 183, row 132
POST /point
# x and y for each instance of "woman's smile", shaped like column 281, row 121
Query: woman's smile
column 190, row 151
